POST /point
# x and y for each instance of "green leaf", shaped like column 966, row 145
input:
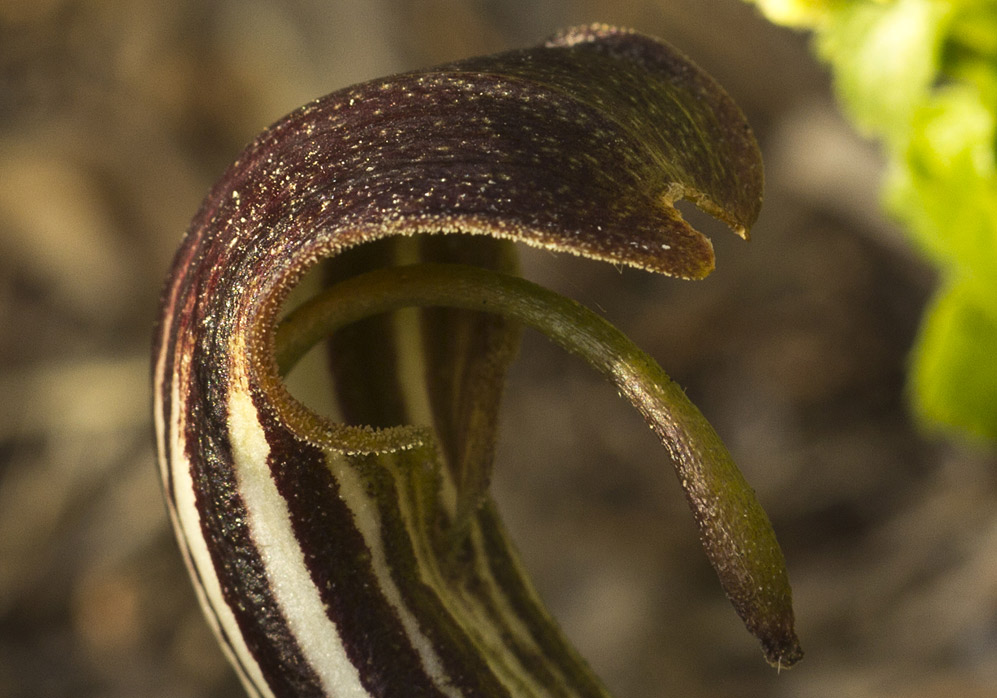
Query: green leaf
column 800, row 13
column 945, row 188
column 921, row 75
column 885, row 58
column 954, row 372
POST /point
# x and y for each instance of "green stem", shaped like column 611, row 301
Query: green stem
column 735, row 531
column 568, row 323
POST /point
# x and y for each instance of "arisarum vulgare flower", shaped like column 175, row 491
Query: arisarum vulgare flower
column 362, row 555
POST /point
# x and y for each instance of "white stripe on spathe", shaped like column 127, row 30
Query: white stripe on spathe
column 209, row 592
column 467, row 608
column 269, row 523
column 368, row 523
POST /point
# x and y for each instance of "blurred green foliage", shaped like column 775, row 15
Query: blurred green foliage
column 921, row 77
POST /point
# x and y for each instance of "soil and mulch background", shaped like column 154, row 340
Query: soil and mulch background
column 116, row 117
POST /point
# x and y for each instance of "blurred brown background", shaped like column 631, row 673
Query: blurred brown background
column 115, row 118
